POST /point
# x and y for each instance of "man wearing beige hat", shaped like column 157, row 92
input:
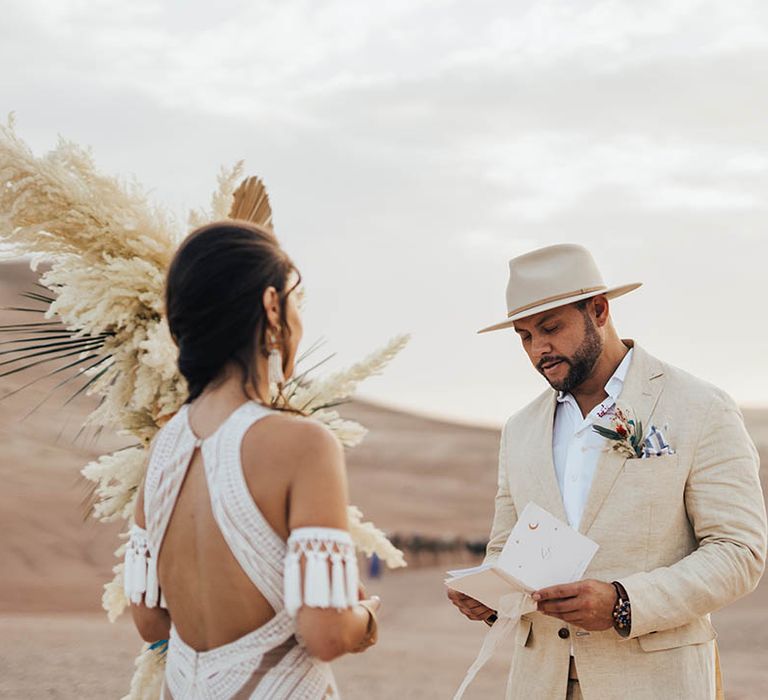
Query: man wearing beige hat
column 673, row 498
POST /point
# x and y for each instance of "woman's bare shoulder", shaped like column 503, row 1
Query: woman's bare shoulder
column 307, row 460
column 292, row 441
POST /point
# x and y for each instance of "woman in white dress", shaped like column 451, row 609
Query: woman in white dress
column 241, row 555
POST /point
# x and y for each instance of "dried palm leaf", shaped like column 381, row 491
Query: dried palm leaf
column 40, row 340
column 251, row 203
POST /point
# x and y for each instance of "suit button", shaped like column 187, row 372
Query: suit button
column 563, row 633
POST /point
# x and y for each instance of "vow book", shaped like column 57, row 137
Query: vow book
column 541, row 551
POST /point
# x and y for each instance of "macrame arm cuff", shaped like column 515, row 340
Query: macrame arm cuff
column 329, row 578
column 140, row 570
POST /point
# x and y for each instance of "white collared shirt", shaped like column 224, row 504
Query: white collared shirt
column 576, row 447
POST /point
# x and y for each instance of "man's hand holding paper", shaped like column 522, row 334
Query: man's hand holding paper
column 587, row 604
column 540, row 552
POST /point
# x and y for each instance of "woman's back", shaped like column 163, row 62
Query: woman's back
column 221, row 561
column 212, row 600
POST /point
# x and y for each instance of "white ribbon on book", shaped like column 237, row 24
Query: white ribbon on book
column 511, row 608
column 541, row 551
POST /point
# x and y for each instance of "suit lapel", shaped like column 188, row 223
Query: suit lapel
column 641, row 392
column 542, row 463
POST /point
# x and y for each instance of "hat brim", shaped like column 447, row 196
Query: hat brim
column 611, row 293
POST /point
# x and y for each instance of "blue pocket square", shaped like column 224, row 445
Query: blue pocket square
column 655, row 445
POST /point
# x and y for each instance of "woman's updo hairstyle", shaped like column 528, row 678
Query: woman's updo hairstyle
column 214, row 300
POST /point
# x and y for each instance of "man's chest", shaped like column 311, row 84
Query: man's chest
column 576, row 452
column 570, row 469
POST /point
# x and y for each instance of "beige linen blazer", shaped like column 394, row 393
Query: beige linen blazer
column 685, row 534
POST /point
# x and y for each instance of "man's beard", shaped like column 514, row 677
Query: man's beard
column 581, row 364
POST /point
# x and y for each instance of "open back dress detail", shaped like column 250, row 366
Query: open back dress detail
column 269, row 662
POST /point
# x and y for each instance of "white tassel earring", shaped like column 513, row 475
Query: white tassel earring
column 275, row 364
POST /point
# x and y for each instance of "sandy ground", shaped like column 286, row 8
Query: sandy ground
column 412, row 475
column 424, row 650
column 82, row 656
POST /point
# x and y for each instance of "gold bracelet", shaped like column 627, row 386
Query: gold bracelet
column 371, row 631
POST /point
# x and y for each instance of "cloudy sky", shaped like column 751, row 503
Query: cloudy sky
column 411, row 147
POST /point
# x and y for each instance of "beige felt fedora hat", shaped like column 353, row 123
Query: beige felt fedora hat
column 550, row 277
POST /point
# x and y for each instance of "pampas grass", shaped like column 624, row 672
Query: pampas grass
column 370, row 540
column 221, row 200
column 116, row 477
column 317, row 395
column 60, row 205
column 147, row 681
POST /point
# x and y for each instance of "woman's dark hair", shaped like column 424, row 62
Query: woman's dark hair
column 214, row 299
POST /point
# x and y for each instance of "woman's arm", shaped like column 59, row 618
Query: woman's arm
column 318, row 499
column 153, row 624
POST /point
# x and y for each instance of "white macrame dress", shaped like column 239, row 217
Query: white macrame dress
column 268, row 662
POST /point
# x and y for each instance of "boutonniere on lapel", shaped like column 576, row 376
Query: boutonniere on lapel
column 626, row 436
